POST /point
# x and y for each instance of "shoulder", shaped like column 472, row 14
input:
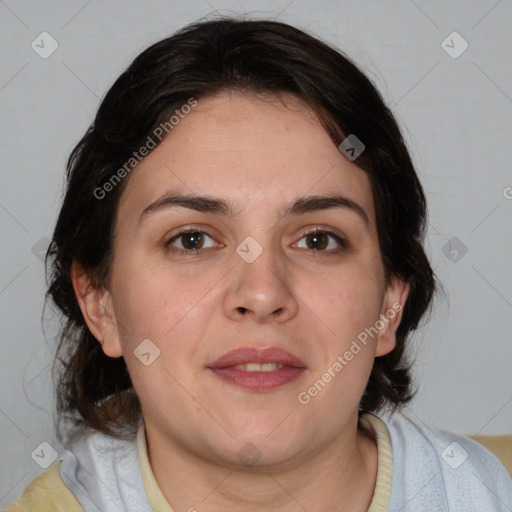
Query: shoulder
column 47, row 493
column 446, row 471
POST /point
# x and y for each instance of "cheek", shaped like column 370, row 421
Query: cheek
column 349, row 308
column 166, row 307
column 347, row 300
column 167, row 310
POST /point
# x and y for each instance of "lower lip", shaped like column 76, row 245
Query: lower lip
column 259, row 381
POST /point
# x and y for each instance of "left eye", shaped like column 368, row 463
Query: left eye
column 319, row 240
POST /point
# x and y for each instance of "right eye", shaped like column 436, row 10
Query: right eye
column 191, row 240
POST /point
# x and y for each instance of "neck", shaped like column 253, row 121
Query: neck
column 340, row 476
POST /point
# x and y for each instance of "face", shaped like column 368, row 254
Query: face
column 262, row 268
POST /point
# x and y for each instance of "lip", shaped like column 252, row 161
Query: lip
column 292, row 368
column 244, row 355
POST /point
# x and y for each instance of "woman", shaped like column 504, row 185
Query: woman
column 239, row 263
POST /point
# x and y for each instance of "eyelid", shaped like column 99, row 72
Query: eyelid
column 321, row 228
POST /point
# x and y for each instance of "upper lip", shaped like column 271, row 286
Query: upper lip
column 244, row 355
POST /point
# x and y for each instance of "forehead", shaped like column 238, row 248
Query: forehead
column 259, row 152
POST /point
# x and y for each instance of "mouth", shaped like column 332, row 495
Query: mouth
column 258, row 369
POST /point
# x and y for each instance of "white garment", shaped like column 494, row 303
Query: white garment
column 432, row 471
column 437, row 471
column 103, row 474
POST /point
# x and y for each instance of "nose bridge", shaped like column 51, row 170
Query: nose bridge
column 260, row 264
column 259, row 283
column 261, row 246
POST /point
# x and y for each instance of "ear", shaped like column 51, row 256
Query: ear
column 97, row 310
column 393, row 304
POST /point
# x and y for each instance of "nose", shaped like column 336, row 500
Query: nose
column 261, row 290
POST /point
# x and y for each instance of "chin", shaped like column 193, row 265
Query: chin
column 263, row 454
column 262, row 426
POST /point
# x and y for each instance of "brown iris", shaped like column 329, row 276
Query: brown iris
column 316, row 240
column 195, row 239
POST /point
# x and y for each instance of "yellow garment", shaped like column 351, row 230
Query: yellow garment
column 155, row 496
column 382, row 490
column 48, row 493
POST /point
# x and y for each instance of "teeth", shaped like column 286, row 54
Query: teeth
column 256, row 367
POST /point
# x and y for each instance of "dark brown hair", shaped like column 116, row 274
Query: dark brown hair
column 202, row 59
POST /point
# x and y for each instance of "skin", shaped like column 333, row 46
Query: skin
column 260, row 153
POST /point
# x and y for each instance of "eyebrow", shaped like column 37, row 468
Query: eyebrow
column 298, row 206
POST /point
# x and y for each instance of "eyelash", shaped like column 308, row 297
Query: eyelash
column 196, row 252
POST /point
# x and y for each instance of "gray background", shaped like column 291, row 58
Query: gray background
column 457, row 118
